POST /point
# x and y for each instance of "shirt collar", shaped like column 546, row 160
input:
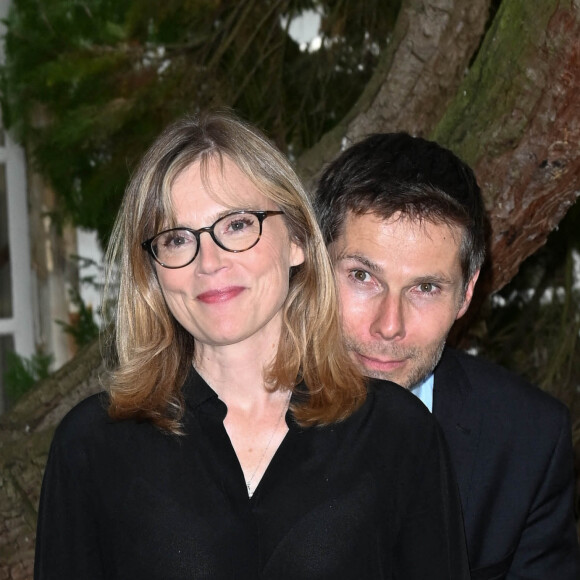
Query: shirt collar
column 196, row 391
column 424, row 391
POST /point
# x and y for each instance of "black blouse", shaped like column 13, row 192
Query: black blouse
column 367, row 498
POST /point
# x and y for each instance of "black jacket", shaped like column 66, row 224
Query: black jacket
column 510, row 445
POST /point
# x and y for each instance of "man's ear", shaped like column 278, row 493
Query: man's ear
column 468, row 295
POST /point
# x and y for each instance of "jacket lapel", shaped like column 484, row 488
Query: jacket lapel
column 456, row 410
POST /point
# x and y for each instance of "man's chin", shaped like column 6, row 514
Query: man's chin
column 393, row 377
column 409, row 368
column 408, row 380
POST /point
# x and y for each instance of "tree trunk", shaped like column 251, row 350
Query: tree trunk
column 516, row 120
column 25, row 435
column 515, row 117
column 416, row 78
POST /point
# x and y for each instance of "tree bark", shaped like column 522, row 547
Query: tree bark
column 416, row 78
column 516, row 120
column 515, row 117
column 25, row 435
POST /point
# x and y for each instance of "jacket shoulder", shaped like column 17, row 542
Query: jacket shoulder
column 398, row 409
column 496, row 385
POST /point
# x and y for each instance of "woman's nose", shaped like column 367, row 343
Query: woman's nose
column 210, row 257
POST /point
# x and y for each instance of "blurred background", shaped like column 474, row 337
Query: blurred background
column 85, row 86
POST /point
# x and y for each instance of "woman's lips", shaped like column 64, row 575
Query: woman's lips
column 220, row 294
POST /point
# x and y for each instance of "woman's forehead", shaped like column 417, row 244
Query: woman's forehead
column 222, row 181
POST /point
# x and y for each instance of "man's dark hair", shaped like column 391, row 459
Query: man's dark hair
column 389, row 173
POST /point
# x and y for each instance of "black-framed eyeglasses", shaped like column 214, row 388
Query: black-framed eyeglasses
column 237, row 231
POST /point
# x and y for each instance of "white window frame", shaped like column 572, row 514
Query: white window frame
column 20, row 325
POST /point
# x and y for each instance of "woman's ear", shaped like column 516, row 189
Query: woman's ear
column 296, row 254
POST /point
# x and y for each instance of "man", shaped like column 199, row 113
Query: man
column 404, row 221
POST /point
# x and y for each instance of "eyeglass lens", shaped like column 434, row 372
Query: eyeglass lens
column 234, row 232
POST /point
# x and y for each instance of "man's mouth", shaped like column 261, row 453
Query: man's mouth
column 380, row 364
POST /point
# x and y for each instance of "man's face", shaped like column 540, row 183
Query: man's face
column 401, row 289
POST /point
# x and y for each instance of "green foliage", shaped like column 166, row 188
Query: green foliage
column 533, row 323
column 84, row 328
column 88, row 85
column 23, row 373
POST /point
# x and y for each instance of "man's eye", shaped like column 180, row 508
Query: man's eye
column 427, row 287
column 360, row 275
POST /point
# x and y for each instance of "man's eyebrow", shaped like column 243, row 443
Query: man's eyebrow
column 439, row 279
column 372, row 266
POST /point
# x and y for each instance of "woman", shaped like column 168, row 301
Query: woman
column 237, row 439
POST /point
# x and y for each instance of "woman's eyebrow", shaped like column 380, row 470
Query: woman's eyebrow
column 213, row 218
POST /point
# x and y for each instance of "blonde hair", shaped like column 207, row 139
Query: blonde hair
column 153, row 351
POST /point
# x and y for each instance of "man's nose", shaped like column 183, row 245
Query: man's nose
column 389, row 320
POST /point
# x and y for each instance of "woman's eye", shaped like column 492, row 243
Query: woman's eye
column 240, row 224
column 177, row 241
